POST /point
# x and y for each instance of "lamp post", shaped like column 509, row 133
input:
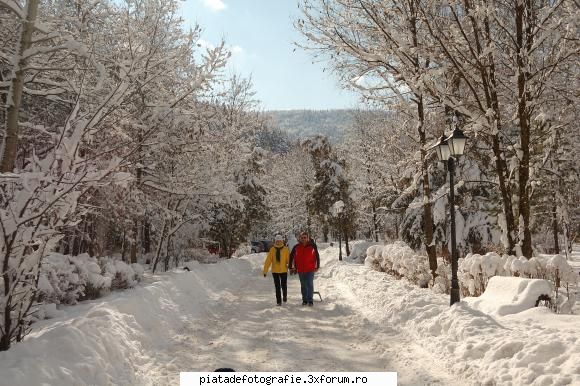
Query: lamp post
column 448, row 150
column 338, row 208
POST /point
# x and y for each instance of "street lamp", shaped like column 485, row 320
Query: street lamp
column 338, row 207
column 448, row 150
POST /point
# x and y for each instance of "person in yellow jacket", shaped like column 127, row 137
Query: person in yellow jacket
column 278, row 258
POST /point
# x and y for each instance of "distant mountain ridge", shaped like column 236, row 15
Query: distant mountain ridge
column 305, row 123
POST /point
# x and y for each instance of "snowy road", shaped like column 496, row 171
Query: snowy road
column 224, row 315
column 248, row 332
column 217, row 315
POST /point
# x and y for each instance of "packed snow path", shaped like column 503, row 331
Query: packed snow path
column 248, row 332
column 245, row 330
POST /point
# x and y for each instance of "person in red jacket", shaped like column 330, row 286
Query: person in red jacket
column 305, row 260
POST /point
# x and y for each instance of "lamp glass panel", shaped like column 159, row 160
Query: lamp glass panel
column 443, row 151
column 456, row 146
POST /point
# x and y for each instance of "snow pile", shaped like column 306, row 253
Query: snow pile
column 358, row 250
column 400, row 260
column 475, row 271
column 242, row 250
column 66, row 279
column 534, row 347
column 510, row 295
column 118, row 340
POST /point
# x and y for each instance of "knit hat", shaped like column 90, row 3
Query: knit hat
column 278, row 237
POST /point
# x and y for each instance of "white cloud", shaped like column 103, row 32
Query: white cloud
column 215, row 5
column 236, row 50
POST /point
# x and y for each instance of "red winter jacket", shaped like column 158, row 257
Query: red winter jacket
column 305, row 258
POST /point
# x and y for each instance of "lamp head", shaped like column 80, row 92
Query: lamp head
column 442, row 149
column 456, row 142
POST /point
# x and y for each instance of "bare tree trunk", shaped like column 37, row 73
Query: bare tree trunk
column 346, row 243
column 167, row 257
column 133, row 258
column 6, row 337
column 555, row 229
column 168, row 242
column 123, row 249
column 521, row 9
column 568, row 241
column 427, row 212
column 375, row 227
column 500, row 164
column 146, row 236
column 505, row 192
column 134, row 243
column 160, row 245
column 2, row 113
column 15, row 93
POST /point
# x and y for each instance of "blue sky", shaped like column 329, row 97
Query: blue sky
column 260, row 34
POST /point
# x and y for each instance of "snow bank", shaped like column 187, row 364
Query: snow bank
column 475, row 271
column 534, row 347
column 112, row 341
column 358, row 250
column 510, row 295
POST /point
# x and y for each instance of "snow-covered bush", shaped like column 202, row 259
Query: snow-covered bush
column 68, row 279
column 400, row 260
column 120, row 274
column 242, row 250
column 373, row 258
column 474, row 271
column 358, row 250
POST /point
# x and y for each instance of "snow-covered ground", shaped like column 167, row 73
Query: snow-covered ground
column 224, row 315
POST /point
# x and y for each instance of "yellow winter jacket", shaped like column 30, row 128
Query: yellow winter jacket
column 277, row 266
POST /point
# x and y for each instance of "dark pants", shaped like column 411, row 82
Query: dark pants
column 280, row 280
column 307, row 286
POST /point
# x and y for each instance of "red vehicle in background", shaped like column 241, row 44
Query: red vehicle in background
column 213, row 247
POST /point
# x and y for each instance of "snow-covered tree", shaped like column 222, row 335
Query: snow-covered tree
column 122, row 138
column 508, row 60
column 289, row 181
column 379, row 169
column 375, row 47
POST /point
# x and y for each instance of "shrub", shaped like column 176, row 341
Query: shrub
column 68, row 279
column 474, row 271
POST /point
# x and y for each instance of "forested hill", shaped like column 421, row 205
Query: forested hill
column 304, row 123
